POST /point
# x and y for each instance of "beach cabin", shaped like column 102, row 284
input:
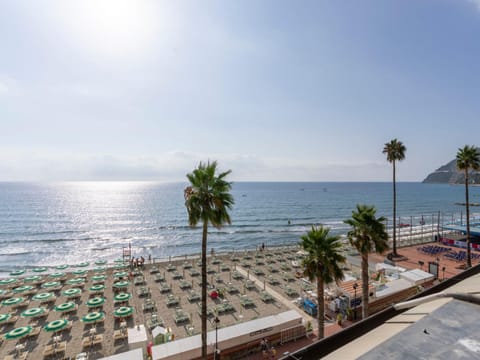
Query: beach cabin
column 233, row 339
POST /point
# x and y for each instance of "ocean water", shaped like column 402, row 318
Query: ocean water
column 51, row 224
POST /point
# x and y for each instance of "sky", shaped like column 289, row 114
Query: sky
column 274, row 90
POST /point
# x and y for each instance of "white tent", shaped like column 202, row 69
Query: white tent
column 416, row 276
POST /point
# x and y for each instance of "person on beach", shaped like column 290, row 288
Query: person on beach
column 263, row 246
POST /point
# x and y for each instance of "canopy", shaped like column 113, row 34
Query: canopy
column 18, row 333
column 56, row 325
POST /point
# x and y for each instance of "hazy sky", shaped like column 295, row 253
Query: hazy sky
column 274, row 90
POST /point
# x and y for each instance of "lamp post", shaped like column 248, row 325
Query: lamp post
column 355, row 285
column 215, row 354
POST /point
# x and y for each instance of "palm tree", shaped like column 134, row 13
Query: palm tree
column 208, row 200
column 395, row 151
column 367, row 234
column 468, row 159
column 323, row 262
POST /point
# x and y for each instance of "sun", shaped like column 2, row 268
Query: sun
column 112, row 28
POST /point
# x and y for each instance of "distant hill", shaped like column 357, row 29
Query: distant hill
column 448, row 174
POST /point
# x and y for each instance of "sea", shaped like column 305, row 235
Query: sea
column 48, row 224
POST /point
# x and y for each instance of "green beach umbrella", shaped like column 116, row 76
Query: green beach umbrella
column 98, row 278
column 120, row 274
column 5, row 317
column 57, row 274
column 122, row 297
column 23, row 288
column 98, row 287
column 118, row 261
column 99, row 269
column 75, row 281
column 32, row 278
column 82, row 264
column 123, row 311
column 95, row 302
column 17, row 273
column 51, row 284
column 40, row 269
column 12, row 301
column 79, row 272
column 18, row 333
column 120, row 266
column 33, row 312
column 100, row 262
column 121, row 284
column 56, row 325
column 61, row 267
column 93, row 317
column 7, row 281
column 66, row 306
column 72, row 292
column 43, row 296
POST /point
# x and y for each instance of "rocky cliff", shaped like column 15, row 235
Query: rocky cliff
column 448, row 174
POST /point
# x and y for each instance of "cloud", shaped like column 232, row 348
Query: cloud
column 3, row 88
column 173, row 166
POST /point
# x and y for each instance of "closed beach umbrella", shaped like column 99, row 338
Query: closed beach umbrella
column 67, row 306
column 51, row 284
column 96, row 288
column 7, row 281
column 40, row 269
column 93, row 317
column 72, row 292
column 82, row 264
column 61, row 267
column 56, row 325
column 57, row 274
column 121, row 284
column 23, row 288
column 4, row 317
column 12, row 301
column 100, row 262
column 43, row 296
column 18, row 333
column 95, row 302
column 79, row 272
column 123, row 311
column 99, row 269
column 75, row 281
column 17, row 273
column 120, row 274
column 33, row 278
column 98, row 278
column 122, row 297
column 34, row 312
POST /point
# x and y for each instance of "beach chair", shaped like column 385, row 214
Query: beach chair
column 154, row 270
column 149, row 305
column 224, row 268
column 180, row 316
column 236, row 275
column 258, row 272
column 266, row 297
column 177, row 276
column 139, row 280
column 159, row 278
column 193, row 296
column 90, row 341
column 194, row 272
column 171, row 267
column 186, row 265
column 172, row 300
column 185, row 285
column 246, row 302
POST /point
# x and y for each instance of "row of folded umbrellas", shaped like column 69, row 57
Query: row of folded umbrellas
column 61, row 274
column 119, row 264
column 44, row 297
column 60, row 324
column 54, row 284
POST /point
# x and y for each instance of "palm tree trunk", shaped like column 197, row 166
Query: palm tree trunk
column 394, row 211
column 321, row 307
column 467, row 205
column 364, row 286
column 204, row 290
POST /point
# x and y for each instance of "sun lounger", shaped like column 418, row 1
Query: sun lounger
column 34, row 332
column 143, row 291
column 246, row 302
column 224, row 268
column 273, row 281
column 172, row 300
column 177, row 276
column 180, row 316
column 215, row 261
column 258, row 272
column 193, row 296
column 154, row 270
column 165, row 288
column 245, row 264
column 211, row 270
column 266, row 297
column 159, row 278
column 290, row 291
column 53, row 349
column 21, row 356
column 171, row 267
column 185, row 285
column 149, row 305
column 154, row 321
column 236, row 275
column 249, row 285
column 120, row 334
column 272, row 269
column 194, row 272
column 139, row 280
column 92, row 340
column 187, row 265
